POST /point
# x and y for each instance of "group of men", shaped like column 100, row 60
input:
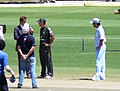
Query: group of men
column 25, row 45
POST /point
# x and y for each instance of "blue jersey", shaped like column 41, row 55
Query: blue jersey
column 3, row 61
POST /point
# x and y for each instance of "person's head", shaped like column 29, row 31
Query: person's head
column 95, row 22
column 25, row 18
column 2, row 44
column 41, row 22
column 22, row 20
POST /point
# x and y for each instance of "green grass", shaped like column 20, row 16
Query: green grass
column 69, row 25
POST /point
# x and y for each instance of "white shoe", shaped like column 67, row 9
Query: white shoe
column 49, row 77
column 95, row 78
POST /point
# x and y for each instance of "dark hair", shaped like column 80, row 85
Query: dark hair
column 44, row 22
column 98, row 24
column 22, row 19
column 2, row 44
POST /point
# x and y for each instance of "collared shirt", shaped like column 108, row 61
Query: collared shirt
column 45, row 35
column 3, row 61
column 100, row 34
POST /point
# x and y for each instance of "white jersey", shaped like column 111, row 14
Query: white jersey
column 1, row 33
column 100, row 34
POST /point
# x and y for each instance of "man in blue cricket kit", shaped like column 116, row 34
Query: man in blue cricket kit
column 4, row 63
column 100, row 46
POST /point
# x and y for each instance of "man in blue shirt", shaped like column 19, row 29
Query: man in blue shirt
column 4, row 63
column 26, row 45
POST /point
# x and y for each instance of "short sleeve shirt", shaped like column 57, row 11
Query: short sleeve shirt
column 3, row 61
column 45, row 34
column 26, row 42
column 100, row 34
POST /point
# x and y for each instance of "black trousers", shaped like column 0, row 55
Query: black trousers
column 46, row 60
column 3, row 83
column 18, row 62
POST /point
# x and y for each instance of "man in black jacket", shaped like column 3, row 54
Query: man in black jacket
column 17, row 33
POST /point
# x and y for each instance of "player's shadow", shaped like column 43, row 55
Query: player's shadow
column 82, row 79
column 85, row 79
column 20, row 88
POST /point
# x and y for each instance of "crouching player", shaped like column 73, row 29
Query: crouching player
column 4, row 63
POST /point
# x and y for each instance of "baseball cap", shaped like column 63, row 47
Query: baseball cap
column 41, row 19
column 95, row 20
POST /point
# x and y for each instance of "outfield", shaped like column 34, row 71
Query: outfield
column 69, row 24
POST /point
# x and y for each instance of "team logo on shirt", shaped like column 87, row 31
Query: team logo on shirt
column 43, row 32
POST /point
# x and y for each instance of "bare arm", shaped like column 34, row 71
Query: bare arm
column 101, row 41
column 30, row 51
column 10, row 70
column 51, row 41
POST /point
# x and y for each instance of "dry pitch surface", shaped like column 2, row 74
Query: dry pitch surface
column 67, row 85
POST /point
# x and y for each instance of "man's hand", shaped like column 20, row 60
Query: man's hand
column 47, row 44
column 24, row 57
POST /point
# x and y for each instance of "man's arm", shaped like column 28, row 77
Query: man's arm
column 30, row 51
column 8, row 68
column 20, row 51
column 101, row 42
column 51, row 41
column 16, row 36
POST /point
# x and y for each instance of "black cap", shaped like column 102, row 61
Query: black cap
column 41, row 19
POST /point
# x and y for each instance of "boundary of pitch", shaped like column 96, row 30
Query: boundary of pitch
column 64, row 3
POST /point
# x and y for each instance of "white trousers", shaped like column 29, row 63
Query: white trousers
column 100, row 61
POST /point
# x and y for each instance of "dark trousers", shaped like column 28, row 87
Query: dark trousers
column 46, row 60
column 3, row 83
column 18, row 62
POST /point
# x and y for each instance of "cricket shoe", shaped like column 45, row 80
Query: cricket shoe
column 49, row 77
column 35, row 87
column 19, row 85
column 102, row 78
column 95, row 78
